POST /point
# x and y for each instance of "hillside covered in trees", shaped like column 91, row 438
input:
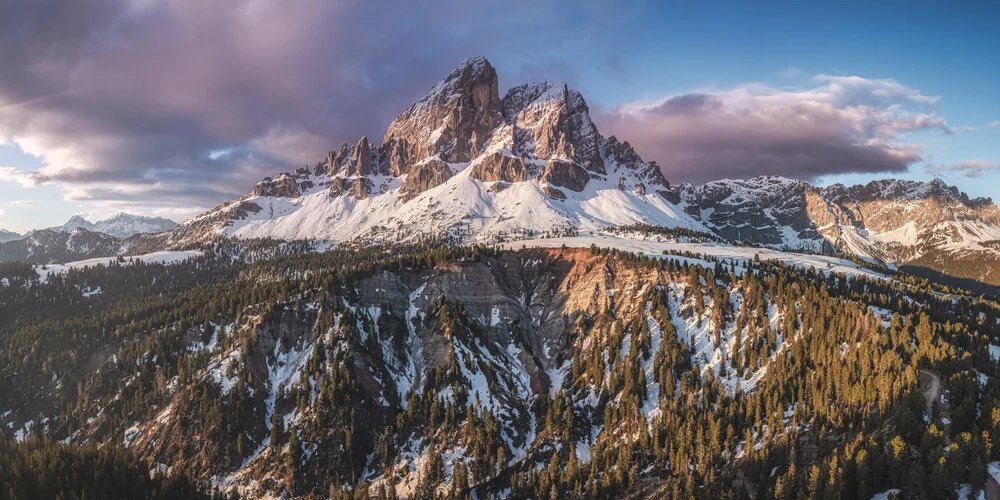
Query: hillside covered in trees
column 431, row 371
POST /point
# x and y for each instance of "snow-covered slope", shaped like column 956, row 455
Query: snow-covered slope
column 462, row 206
column 168, row 257
column 540, row 167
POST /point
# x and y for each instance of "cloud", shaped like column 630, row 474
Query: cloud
column 132, row 101
column 842, row 124
column 976, row 128
column 21, row 203
column 25, row 178
column 790, row 72
column 972, row 168
column 2, row 212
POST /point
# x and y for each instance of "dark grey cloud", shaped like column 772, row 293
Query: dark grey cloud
column 126, row 99
column 843, row 125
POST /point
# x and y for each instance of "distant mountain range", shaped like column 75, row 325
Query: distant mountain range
column 79, row 238
column 6, row 235
column 120, row 226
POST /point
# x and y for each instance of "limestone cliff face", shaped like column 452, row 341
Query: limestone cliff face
column 425, row 175
column 551, row 121
column 500, row 167
column 454, row 119
column 282, row 186
column 891, row 220
column 565, row 174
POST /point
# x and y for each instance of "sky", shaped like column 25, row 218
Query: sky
column 170, row 107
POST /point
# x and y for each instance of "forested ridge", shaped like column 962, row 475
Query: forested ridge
column 438, row 371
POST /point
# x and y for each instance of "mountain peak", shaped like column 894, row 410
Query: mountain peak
column 548, row 120
column 454, row 118
column 475, row 64
column 120, row 225
column 6, row 235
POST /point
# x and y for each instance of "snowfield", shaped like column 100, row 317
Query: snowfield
column 461, row 205
column 740, row 255
column 168, row 257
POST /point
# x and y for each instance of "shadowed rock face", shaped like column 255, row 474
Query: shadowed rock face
column 554, row 193
column 426, row 175
column 756, row 210
column 565, row 174
column 454, row 119
column 393, row 157
column 549, row 120
column 500, row 167
column 624, row 155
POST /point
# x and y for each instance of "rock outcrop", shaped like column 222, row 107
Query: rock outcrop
column 425, row 175
column 565, row 174
column 762, row 210
column 625, row 156
column 282, row 186
column 500, row 167
column 554, row 193
column 339, row 186
column 360, row 162
column 394, row 157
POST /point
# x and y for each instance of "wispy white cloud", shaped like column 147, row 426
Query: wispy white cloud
column 25, row 178
column 972, row 168
column 975, row 128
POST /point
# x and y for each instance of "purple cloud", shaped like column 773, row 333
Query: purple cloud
column 128, row 101
column 844, row 124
